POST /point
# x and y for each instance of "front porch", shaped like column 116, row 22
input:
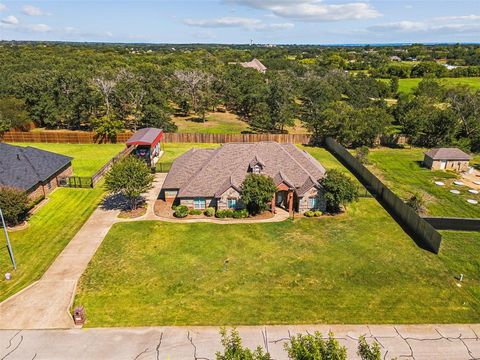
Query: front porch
column 285, row 198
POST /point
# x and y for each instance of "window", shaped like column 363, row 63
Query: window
column 257, row 169
column 49, row 185
column 232, row 203
column 312, row 203
column 199, row 203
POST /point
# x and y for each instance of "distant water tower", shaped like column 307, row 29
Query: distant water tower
column 251, row 42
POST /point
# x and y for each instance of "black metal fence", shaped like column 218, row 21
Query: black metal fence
column 420, row 230
column 75, row 182
column 454, row 223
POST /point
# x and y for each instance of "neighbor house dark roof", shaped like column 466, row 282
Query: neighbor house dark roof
column 447, row 154
column 25, row 167
column 146, row 136
column 210, row 172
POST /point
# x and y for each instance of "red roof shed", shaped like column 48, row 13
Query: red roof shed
column 147, row 136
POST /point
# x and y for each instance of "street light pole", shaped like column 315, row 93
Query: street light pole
column 9, row 246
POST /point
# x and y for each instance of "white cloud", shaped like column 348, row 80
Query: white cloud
column 10, row 20
column 313, row 10
column 31, row 10
column 3, row 7
column 446, row 24
column 237, row 22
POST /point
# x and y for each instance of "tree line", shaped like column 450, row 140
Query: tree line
column 110, row 88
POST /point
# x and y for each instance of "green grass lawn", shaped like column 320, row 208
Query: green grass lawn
column 216, row 123
column 87, row 158
column 359, row 267
column 402, row 171
column 409, row 85
column 50, row 229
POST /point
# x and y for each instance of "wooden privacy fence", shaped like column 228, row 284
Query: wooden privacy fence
column 420, row 230
column 85, row 137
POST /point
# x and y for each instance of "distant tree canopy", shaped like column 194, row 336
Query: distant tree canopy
column 334, row 91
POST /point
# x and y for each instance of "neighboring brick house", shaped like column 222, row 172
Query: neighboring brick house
column 447, row 159
column 204, row 178
column 33, row 170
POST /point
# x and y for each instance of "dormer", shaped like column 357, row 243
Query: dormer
column 256, row 165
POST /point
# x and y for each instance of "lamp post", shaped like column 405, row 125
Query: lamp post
column 9, row 246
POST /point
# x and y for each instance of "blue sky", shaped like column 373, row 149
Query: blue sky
column 238, row 21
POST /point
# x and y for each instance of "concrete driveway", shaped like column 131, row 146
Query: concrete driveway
column 403, row 342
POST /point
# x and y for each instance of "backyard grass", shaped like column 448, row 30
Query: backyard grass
column 49, row 231
column 87, row 158
column 359, row 267
column 402, row 171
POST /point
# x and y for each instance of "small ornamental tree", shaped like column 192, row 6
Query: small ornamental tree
column 339, row 190
column 315, row 346
column 257, row 191
column 14, row 205
column 234, row 350
column 130, row 177
column 417, row 203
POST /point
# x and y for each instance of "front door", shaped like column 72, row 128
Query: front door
column 280, row 198
column 443, row 164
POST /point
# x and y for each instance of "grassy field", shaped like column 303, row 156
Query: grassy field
column 408, row 85
column 49, row 231
column 402, row 171
column 87, row 158
column 222, row 123
column 359, row 267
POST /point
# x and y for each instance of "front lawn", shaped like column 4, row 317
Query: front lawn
column 402, row 171
column 87, row 158
column 359, row 267
column 50, row 230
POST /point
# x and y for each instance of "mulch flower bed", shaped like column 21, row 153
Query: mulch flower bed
column 131, row 214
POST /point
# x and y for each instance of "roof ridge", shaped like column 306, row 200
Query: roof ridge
column 300, row 165
column 20, row 149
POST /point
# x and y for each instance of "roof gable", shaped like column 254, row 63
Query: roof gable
column 447, row 154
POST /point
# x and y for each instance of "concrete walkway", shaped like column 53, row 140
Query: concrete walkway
column 438, row 342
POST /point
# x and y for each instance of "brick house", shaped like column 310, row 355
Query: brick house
column 203, row 178
column 33, row 170
column 447, row 159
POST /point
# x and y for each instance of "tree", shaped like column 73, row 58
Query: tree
column 131, row 178
column 339, row 190
column 362, row 154
column 194, row 82
column 234, row 350
column 13, row 114
column 14, row 205
column 368, row 352
column 314, row 346
column 257, row 191
column 107, row 126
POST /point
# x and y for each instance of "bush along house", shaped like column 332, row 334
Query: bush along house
column 35, row 171
column 147, row 145
column 203, row 178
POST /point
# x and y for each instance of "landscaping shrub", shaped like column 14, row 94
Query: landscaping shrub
column 181, row 211
column 339, row 190
column 210, row 211
column 174, row 207
column 257, row 192
column 309, row 213
column 234, row 350
column 14, row 204
column 367, row 352
column 240, row 214
column 222, row 214
column 195, row 212
column 315, row 347
column 417, row 203
column 317, row 213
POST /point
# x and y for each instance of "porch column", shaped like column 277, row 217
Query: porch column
column 290, row 202
column 273, row 204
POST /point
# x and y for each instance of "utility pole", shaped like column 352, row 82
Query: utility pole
column 9, row 246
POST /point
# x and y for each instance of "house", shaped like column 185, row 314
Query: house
column 447, row 159
column 254, row 64
column 204, row 178
column 147, row 145
column 33, row 170
column 395, row 58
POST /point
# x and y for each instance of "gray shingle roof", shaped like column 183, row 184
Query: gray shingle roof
column 208, row 173
column 25, row 167
column 447, row 154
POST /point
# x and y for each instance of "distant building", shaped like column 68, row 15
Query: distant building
column 254, row 64
column 35, row 171
column 395, row 58
column 447, row 159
